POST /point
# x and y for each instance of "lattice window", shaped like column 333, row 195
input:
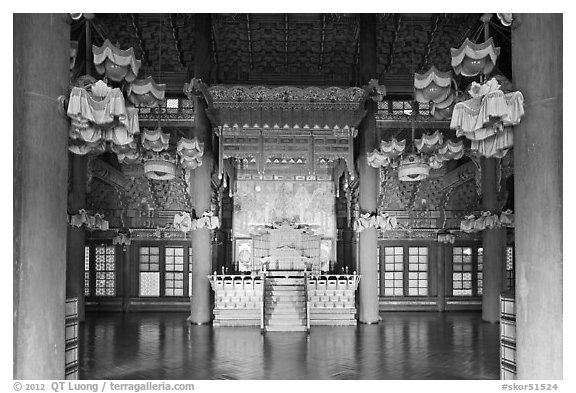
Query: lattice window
column 462, row 271
column 393, row 271
column 417, row 271
column 174, row 271
column 105, row 263
column 172, row 103
column 149, row 259
column 480, row 271
column 87, row 271
column 378, row 270
column 510, row 277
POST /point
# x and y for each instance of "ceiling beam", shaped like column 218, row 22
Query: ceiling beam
column 134, row 19
column 397, row 27
column 431, row 37
column 177, row 41
column 214, row 50
column 286, row 42
column 322, row 35
column 249, row 33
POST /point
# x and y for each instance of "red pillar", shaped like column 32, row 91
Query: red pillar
column 368, row 178
column 41, row 63
column 537, row 70
column 494, row 245
column 200, row 305
column 76, row 236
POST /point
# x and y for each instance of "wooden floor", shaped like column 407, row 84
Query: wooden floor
column 405, row 345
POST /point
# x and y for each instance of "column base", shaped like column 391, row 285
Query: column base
column 189, row 321
column 369, row 323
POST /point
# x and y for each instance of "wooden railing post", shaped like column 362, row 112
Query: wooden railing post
column 307, row 302
column 263, row 276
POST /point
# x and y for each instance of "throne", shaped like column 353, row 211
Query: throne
column 286, row 248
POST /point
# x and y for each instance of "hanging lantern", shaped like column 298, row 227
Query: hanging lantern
column 506, row 19
column 472, row 59
column 376, row 159
column 393, row 148
column 428, row 143
column 190, row 152
column 413, row 168
column 115, row 63
column 159, row 166
column 451, row 150
column 128, row 153
column 443, row 110
column 155, row 140
column 432, row 86
column 146, row 92
column 183, row 222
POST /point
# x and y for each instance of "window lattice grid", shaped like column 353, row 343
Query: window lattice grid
column 480, row 272
column 393, row 271
column 174, row 271
column 86, row 283
column 105, row 276
column 174, row 284
column 510, row 267
column 87, row 271
column 418, row 271
column 87, row 259
column 149, row 284
column 149, row 259
column 462, row 271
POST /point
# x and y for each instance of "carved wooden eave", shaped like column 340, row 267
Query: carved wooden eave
column 455, row 178
column 311, row 107
column 107, row 173
column 312, row 126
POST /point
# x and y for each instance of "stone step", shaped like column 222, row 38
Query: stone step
column 284, row 287
column 285, row 313
column 284, row 281
column 284, row 272
column 283, row 310
column 285, row 321
column 285, row 297
column 332, row 310
column 285, row 328
column 333, row 322
column 342, row 317
column 285, row 290
column 242, row 314
column 286, row 316
column 236, row 322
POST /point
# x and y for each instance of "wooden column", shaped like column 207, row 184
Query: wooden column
column 537, row 71
column 41, row 63
column 200, row 307
column 494, row 245
column 441, row 276
column 368, row 178
column 126, row 275
column 76, row 236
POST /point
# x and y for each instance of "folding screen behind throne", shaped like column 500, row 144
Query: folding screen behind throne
column 286, row 247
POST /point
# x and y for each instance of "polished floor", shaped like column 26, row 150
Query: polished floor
column 405, row 345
